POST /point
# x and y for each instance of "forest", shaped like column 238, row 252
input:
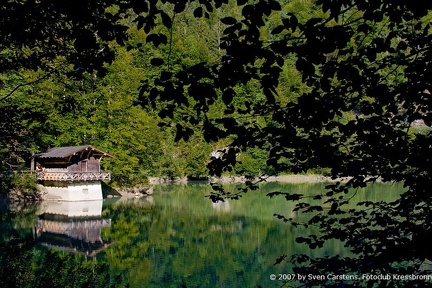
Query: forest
column 55, row 101
column 338, row 87
column 61, row 104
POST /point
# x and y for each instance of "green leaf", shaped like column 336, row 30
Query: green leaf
column 156, row 61
column 198, row 12
column 166, row 20
column 228, row 96
column 157, row 39
column 278, row 30
column 228, row 20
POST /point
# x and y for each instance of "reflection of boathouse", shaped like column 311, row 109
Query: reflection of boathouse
column 71, row 173
column 80, row 233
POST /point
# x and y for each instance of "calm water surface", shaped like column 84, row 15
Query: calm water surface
column 176, row 238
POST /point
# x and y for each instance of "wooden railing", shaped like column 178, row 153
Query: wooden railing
column 73, row 176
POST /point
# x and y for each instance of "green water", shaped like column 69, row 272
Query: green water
column 176, row 238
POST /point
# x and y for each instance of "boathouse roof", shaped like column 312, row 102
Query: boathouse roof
column 64, row 152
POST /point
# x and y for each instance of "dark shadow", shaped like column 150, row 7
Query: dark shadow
column 108, row 191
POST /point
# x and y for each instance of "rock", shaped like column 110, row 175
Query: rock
column 149, row 191
column 418, row 123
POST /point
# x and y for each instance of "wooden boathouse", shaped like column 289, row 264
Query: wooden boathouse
column 72, row 227
column 71, row 173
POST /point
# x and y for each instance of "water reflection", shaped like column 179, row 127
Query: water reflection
column 222, row 206
column 175, row 238
column 79, row 209
column 72, row 227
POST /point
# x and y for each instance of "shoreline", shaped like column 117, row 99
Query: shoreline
column 242, row 179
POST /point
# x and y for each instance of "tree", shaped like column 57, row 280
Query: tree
column 35, row 33
column 365, row 66
column 53, row 38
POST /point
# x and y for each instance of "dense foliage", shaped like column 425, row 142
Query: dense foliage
column 56, row 96
column 298, row 84
column 61, row 99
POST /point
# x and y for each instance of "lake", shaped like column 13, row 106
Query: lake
column 176, row 238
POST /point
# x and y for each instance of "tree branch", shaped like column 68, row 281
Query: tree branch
column 22, row 85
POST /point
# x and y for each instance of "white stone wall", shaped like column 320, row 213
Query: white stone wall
column 89, row 190
column 55, row 191
column 75, row 191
